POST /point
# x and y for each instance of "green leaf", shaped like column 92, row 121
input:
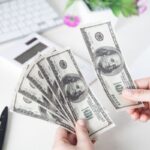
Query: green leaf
column 69, row 3
column 116, row 10
column 126, row 7
column 93, row 4
column 129, row 8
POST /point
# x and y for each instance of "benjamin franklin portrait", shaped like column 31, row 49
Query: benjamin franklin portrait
column 75, row 89
column 108, row 61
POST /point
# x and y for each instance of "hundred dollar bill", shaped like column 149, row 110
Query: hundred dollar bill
column 51, row 80
column 109, row 63
column 28, row 89
column 35, row 76
column 26, row 106
column 80, row 99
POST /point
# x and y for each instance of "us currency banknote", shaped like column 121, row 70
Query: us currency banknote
column 109, row 63
column 26, row 106
column 35, row 76
column 81, row 101
column 27, row 89
column 51, row 80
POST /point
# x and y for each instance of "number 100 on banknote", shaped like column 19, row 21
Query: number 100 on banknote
column 109, row 63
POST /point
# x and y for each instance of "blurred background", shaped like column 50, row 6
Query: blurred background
column 59, row 21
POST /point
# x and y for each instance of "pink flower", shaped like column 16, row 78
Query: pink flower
column 142, row 6
column 71, row 21
column 142, row 9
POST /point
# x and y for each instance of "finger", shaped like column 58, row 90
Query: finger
column 130, row 111
column 61, row 135
column 135, row 115
column 139, row 110
column 143, row 83
column 72, row 139
column 144, row 117
column 136, row 110
column 147, row 112
column 149, row 105
column 144, row 109
column 82, row 132
column 146, row 105
column 136, row 94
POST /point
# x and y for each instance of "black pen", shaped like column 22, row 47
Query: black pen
column 3, row 125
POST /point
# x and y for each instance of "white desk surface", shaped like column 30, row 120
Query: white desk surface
column 25, row 133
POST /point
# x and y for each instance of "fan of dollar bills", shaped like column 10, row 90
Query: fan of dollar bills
column 52, row 88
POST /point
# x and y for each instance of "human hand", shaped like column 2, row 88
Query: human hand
column 142, row 93
column 68, row 141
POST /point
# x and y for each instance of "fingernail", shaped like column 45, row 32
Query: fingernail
column 81, row 123
column 127, row 92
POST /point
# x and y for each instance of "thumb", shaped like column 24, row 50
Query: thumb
column 82, row 134
column 137, row 94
